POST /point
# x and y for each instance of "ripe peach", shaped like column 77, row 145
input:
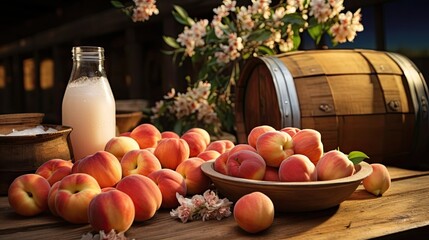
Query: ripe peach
column 297, row 168
column 196, row 143
column 140, row 161
column 171, row 152
column 111, row 210
column 333, row 165
column 208, row 155
column 146, row 195
column 146, row 134
column 204, row 134
column 28, row 194
column 254, row 212
column 219, row 164
column 379, row 181
column 196, row 181
column 120, row 145
column 169, row 182
column 290, row 130
column 257, row 131
column 55, row 169
column 169, row 134
column 241, row 146
column 74, row 194
column 309, row 143
column 103, row 166
column 51, row 198
column 246, row 164
column 271, row 174
column 221, row 146
column 274, row 147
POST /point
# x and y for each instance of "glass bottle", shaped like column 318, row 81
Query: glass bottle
column 88, row 104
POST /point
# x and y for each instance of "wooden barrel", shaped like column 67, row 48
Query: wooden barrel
column 372, row 101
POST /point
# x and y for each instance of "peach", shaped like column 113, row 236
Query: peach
column 169, row 182
column 274, row 147
column 111, row 210
column 196, row 143
column 297, row 168
column 290, row 130
column 333, row 165
column 103, row 166
column 271, row 174
column 257, row 131
column 196, row 181
column 55, row 169
column 220, row 146
column 254, row 212
column 204, row 134
column 28, row 194
column 74, row 194
column 309, row 143
column 219, row 164
column 171, row 152
column 209, row 155
column 51, row 198
column 146, row 195
column 246, row 164
column 169, row 134
column 140, row 161
column 241, row 146
column 120, row 145
column 146, row 134
column 379, row 181
column 125, row 134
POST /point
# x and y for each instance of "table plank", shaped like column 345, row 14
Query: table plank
column 404, row 207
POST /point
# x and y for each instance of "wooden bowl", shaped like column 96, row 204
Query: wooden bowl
column 290, row 196
column 24, row 154
column 126, row 121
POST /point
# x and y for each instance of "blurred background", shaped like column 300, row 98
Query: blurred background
column 36, row 38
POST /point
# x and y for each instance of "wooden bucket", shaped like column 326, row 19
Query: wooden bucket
column 372, row 101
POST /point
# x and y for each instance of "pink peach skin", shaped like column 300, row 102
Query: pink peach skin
column 219, row 164
column 146, row 195
column 254, row 212
column 208, row 155
column 55, row 169
column 274, row 147
column 196, row 143
column 297, row 168
column 146, row 134
column 309, row 143
column 241, row 146
column 51, row 198
column 111, row 210
column 28, row 194
column 120, row 145
column 201, row 131
column 140, row 161
column 333, row 165
column 271, row 174
column 171, row 152
column 221, row 146
column 169, row 134
column 290, row 130
column 196, row 181
column 246, row 164
column 103, row 166
column 74, row 194
column 379, row 181
column 257, row 131
column 169, row 182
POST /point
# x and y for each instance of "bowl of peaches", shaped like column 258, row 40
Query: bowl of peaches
column 290, row 167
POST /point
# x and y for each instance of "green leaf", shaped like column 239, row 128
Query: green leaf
column 259, row 35
column 117, row 4
column 265, row 50
column 357, row 156
column 171, row 42
column 316, row 33
column 181, row 16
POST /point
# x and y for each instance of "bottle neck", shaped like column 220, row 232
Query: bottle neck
column 87, row 62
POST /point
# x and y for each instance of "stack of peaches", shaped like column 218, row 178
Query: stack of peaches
column 141, row 171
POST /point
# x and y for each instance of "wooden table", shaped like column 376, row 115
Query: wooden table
column 401, row 213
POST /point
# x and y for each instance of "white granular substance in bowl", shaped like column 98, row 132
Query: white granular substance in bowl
column 30, row 131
